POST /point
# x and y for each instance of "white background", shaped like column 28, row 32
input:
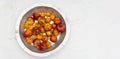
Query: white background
column 95, row 29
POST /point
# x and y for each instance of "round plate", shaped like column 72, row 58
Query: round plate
column 63, row 37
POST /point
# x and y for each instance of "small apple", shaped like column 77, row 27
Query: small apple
column 54, row 26
column 47, row 20
column 55, row 32
column 44, row 38
column 61, row 27
column 42, row 46
column 57, row 21
column 53, row 38
column 42, row 29
column 36, row 31
column 27, row 33
column 36, row 15
column 36, row 42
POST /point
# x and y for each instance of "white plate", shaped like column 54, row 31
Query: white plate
column 46, row 53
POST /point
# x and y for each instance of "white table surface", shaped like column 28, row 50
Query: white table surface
column 95, row 29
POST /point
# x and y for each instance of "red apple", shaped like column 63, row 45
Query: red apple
column 57, row 21
column 36, row 42
column 42, row 29
column 53, row 38
column 27, row 33
column 61, row 28
column 36, row 31
column 44, row 38
column 42, row 46
column 36, row 15
column 55, row 32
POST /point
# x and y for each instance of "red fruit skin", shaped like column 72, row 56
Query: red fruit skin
column 45, row 39
column 36, row 15
column 36, row 42
column 57, row 21
column 42, row 46
column 61, row 28
column 27, row 33
column 53, row 38
column 55, row 32
column 42, row 29
column 36, row 31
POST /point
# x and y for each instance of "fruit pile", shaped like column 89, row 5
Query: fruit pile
column 42, row 30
